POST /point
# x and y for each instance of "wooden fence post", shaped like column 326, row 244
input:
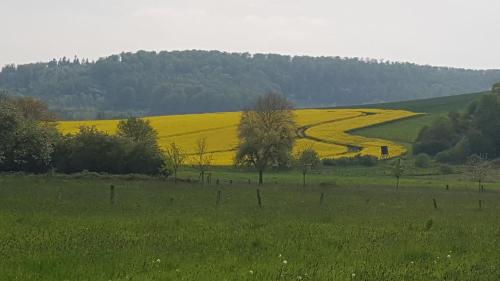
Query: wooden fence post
column 112, row 194
column 259, row 199
column 219, row 197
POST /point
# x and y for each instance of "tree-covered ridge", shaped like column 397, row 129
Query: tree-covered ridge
column 206, row 81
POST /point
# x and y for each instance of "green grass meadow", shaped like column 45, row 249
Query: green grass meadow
column 66, row 228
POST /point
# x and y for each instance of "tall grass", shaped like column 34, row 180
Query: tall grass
column 66, row 229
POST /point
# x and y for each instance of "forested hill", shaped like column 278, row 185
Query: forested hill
column 146, row 83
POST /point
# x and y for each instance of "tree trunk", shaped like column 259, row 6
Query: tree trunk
column 479, row 186
column 261, row 182
column 304, row 179
column 202, row 177
column 175, row 176
column 397, row 183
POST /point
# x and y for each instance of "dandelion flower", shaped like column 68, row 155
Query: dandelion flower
column 353, row 275
column 251, row 272
column 285, row 261
column 448, row 256
column 158, row 260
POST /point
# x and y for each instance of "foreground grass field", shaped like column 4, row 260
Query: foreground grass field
column 65, row 228
column 326, row 130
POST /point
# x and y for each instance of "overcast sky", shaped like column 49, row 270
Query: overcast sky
column 460, row 33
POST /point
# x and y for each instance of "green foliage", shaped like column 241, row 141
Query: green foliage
column 422, row 160
column 201, row 81
column 266, row 133
column 95, row 151
column 358, row 160
column 308, row 158
column 456, row 154
column 25, row 144
column 441, row 135
column 455, row 137
column 138, row 130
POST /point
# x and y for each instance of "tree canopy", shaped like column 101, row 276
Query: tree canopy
column 147, row 83
column 459, row 135
column 267, row 133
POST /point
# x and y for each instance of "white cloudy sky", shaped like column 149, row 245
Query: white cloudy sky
column 461, row 33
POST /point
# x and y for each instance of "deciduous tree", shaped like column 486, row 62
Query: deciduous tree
column 202, row 158
column 267, row 133
column 175, row 158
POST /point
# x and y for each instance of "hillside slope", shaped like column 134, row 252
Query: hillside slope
column 405, row 131
column 150, row 83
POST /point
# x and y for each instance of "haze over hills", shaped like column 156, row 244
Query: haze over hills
column 151, row 83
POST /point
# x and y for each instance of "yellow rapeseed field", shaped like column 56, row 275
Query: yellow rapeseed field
column 326, row 130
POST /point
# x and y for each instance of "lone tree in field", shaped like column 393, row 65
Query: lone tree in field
column 175, row 158
column 307, row 159
column 266, row 133
column 398, row 171
column 478, row 168
column 202, row 158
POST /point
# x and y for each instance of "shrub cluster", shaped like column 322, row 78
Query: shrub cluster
column 95, row 151
column 453, row 138
column 29, row 143
column 422, row 160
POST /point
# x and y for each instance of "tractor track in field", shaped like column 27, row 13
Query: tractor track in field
column 302, row 132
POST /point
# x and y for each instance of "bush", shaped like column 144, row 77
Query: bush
column 358, row 160
column 308, row 156
column 422, row 161
column 456, row 155
column 25, row 144
column 441, row 135
column 96, row 151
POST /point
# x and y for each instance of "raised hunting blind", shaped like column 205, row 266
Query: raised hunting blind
column 384, row 152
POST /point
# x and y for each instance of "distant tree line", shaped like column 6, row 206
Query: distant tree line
column 146, row 83
column 461, row 134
